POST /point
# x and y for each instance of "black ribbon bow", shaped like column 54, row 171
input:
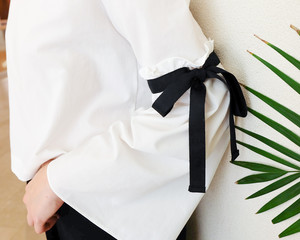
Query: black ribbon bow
column 174, row 84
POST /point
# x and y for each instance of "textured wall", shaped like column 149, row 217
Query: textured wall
column 223, row 214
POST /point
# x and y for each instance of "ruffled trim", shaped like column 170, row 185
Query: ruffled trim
column 170, row 64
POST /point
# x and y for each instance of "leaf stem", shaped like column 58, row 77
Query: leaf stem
column 295, row 28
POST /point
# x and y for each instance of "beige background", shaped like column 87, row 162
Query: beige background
column 223, row 214
column 13, row 225
column 2, row 44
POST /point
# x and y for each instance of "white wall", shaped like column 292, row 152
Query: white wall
column 223, row 214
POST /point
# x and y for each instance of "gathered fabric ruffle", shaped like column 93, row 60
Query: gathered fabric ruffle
column 173, row 63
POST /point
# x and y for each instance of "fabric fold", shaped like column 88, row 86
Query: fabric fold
column 170, row 64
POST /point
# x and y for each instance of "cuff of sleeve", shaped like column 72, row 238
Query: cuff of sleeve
column 170, row 64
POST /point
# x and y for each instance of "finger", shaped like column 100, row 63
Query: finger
column 24, row 199
column 39, row 226
column 50, row 223
column 29, row 220
column 27, row 186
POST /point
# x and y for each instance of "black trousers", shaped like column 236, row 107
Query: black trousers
column 73, row 226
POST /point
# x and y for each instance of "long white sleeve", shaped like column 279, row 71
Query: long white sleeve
column 130, row 177
column 143, row 162
column 163, row 34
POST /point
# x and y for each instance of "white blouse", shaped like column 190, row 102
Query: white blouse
column 77, row 74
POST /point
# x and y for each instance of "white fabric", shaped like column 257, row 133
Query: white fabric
column 172, row 63
column 77, row 75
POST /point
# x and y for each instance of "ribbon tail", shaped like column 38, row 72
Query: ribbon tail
column 165, row 102
column 197, row 139
column 233, row 147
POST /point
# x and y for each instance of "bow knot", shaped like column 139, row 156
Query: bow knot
column 174, row 84
column 198, row 80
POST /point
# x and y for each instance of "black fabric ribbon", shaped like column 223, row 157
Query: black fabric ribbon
column 174, row 84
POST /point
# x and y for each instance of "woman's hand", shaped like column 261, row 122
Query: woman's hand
column 41, row 202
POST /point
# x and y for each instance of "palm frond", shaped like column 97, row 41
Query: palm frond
column 291, row 211
column 290, row 81
column 262, row 177
column 288, row 194
column 294, row 228
column 276, row 185
column 287, row 56
column 271, row 172
column 286, row 112
column 277, row 126
column 258, row 167
column 272, row 144
column 269, row 155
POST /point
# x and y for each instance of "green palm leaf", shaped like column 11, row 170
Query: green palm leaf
column 291, row 82
column 289, row 114
column 291, row 211
column 276, row 185
column 262, row 177
column 278, row 127
column 269, row 155
column 272, row 144
column 270, row 172
column 288, row 57
column 258, row 166
column 294, row 228
column 281, row 198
